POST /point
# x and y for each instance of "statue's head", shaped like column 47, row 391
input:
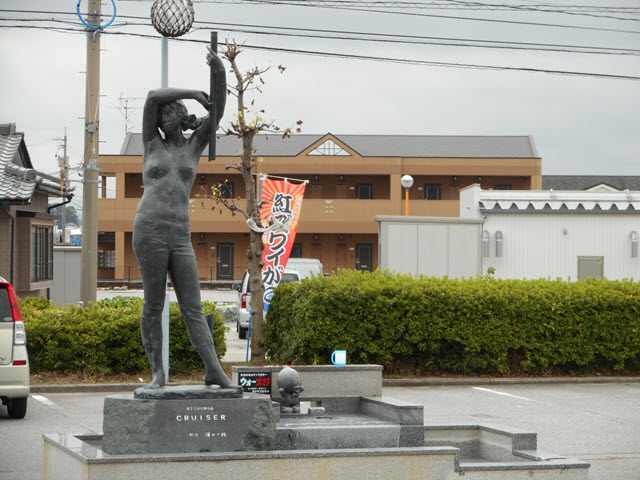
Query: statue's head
column 174, row 114
column 289, row 383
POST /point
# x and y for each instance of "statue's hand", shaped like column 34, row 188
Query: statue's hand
column 203, row 99
column 214, row 61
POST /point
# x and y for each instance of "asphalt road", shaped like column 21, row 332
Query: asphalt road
column 598, row 423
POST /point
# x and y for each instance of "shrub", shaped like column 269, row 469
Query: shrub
column 105, row 337
column 479, row 325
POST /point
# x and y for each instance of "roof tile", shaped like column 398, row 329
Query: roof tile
column 417, row 146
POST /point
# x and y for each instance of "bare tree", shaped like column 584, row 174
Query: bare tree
column 247, row 124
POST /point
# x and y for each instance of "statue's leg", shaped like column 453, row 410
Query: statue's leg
column 184, row 276
column 153, row 258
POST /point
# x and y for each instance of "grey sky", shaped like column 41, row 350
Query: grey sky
column 581, row 125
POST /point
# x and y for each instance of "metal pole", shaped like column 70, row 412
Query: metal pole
column 213, row 111
column 164, row 83
column 89, row 270
column 406, row 202
column 164, row 57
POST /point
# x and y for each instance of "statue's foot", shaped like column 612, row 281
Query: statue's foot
column 214, row 373
column 221, row 380
column 157, row 382
column 155, row 359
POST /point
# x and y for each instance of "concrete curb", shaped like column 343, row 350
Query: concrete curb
column 387, row 382
column 453, row 381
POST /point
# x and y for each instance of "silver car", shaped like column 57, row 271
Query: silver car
column 14, row 362
column 244, row 297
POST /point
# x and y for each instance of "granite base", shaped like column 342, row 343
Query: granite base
column 139, row 426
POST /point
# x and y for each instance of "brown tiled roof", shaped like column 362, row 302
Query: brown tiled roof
column 18, row 183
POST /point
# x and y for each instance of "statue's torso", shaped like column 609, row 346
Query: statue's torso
column 168, row 176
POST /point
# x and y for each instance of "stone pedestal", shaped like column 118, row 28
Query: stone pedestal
column 187, row 425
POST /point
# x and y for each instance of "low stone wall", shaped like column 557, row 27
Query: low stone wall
column 79, row 457
column 323, row 382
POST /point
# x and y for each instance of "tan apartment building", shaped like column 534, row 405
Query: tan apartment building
column 352, row 178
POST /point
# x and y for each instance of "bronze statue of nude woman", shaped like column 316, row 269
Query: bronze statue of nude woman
column 162, row 230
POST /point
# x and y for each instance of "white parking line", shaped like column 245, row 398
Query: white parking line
column 47, row 402
column 504, row 394
column 42, row 399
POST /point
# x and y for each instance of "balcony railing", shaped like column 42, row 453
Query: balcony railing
column 325, row 215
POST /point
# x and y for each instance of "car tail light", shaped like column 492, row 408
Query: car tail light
column 20, row 336
column 20, row 362
column 19, row 333
column 244, row 300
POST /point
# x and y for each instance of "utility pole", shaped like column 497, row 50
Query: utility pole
column 89, row 269
column 63, row 163
column 126, row 110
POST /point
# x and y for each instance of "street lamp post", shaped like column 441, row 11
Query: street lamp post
column 407, row 182
column 170, row 18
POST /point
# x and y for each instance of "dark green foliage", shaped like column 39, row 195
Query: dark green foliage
column 481, row 326
column 104, row 337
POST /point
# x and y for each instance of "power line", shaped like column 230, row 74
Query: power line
column 576, row 10
column 447, row 64
column 392, row 60
column 310, row 4
column 450, row 17
column 439, row 5
column 392, row 38
column 439, row 41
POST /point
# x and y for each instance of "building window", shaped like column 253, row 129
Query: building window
column 41, row 253
column 331, row 149
column 296, row 251
column 485, row 244
column 228, row 190
column 364, row 191
column 432, row 191
column 498, row 243
column 502, row 186
column 106, row 259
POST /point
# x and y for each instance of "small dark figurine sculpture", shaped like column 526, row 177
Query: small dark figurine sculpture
column 162, row 231
column 290, row 388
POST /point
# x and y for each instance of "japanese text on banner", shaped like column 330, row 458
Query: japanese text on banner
column 283, row 202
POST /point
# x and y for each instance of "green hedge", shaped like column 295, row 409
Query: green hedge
column 105, row 337
column 434, row 325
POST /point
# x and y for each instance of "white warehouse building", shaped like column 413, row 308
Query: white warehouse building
column 556, row 234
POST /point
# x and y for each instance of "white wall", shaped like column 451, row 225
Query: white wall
column 547, row 244
column 430, row 246
column 66, row 275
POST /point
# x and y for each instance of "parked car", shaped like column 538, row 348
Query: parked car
column 244, row 297
column 14, row 362
column 306, row 267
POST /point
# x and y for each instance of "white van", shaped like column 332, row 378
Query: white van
column 306, row 267
column 297, row 269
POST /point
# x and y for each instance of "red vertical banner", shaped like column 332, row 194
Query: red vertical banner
column 283, row 202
